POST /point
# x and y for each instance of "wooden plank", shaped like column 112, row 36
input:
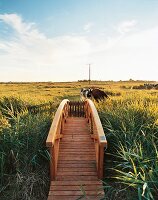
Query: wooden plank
column 74, row 193
column 75, row 123
column 76, row 165
column 79, row 157
column 75, row 134
column 76, row 169
column 77, row 150
column 77, row 153
column 76, row 120
column 79, row 125
column 76, row 187
column 77, row 143
column 75, row 178
column 75, row 197
column 77, row 129
column 76, row 146
column 67, row 149
column 78, row 173
column 76, row 140
column 73, row 153
column 98, row 182
column 78, row 162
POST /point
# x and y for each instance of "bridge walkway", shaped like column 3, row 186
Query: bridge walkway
column 76, row 174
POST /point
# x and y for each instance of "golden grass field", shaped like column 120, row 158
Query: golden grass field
column 46, row 91
column 130, row 121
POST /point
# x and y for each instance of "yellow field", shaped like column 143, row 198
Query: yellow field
column 49, row 91
column 130, row 121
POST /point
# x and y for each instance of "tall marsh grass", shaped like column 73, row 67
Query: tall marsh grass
column 130, row 121
column 24, row 159
column 131, row 125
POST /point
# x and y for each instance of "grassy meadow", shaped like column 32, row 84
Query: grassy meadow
column 130, row 121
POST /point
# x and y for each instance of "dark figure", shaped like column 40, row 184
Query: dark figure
column 98, row 94
column 93, row 93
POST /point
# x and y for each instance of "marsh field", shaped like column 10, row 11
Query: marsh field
column 130, row 121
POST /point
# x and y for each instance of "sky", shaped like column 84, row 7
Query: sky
column 55, row 40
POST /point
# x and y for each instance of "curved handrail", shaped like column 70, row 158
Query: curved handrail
column 97, row 133
column 56, row 123
column 91, row 109
column 55, row 133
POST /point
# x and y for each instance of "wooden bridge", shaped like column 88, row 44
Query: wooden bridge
column 76, row 141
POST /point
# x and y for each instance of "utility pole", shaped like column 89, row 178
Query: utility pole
column 89, row 73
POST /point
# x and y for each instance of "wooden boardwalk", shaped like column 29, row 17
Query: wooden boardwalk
column 76, row 173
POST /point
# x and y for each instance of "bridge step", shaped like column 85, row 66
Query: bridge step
column 73, row 190
column 76, row 172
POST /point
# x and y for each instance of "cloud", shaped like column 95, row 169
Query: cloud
column 22, row 28
column 87, row 27
column 133, row 56
column 15, row 22
column 126, row 26
column 29, row 49
column 29, row 55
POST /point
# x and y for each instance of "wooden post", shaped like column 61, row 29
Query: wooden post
column 101, row 161
column 52, row 163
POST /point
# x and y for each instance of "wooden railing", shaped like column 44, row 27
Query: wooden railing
column 55, row 134
column 76, row 109
column 97, row 133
